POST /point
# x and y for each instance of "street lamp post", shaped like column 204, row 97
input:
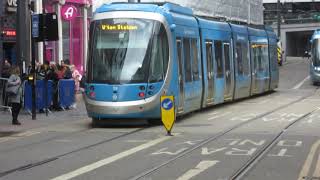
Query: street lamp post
column 1, row 48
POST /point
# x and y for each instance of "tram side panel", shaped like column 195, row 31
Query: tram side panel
column 217, row 62
column 241, row 61
column 273, row 61
column 188, row 59
column 259, row 60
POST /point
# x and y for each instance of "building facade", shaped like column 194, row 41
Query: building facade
column 73, row 26
column 298, row 20
column 8, row 33
column 73, row 22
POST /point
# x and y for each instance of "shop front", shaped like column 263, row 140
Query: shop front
column 73, row 21
column 8, row 31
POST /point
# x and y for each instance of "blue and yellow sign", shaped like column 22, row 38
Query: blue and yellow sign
column 167, row 112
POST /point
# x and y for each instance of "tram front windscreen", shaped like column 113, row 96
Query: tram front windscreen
column 316, row 52
column 125, row 51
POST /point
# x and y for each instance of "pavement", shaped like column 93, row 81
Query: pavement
column 74, row 115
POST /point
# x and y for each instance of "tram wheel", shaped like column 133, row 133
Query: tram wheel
column 95, row 122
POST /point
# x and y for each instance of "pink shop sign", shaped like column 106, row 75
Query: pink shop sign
column 68, row 12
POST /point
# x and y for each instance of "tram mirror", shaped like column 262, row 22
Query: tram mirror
column 172, row 27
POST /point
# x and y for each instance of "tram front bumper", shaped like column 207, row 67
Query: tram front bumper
column 147, row 108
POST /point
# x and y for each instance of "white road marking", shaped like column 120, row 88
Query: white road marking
column 109, row 160
column 18, row 136
column 137, row 141
column 301, row 83
column 307, row 165
column 219, row 115
column 202, row 166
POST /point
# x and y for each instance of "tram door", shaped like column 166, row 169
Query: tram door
column 255, row 69
column 210, row 74
column 228, row 72
column 180, row 78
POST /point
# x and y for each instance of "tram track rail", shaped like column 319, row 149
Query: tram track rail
column 54, row 158
column 241, row 172
column 254, row 160
column 245, row 168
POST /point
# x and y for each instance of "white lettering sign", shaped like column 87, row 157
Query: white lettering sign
column 241, row 152
column 12, row 3
column 290, row 143
column 282, row 153
column 207, row 151
column 162, row 151
column 202, row 166
column 69, row 12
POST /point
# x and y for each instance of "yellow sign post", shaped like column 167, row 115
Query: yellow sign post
column 167, row 112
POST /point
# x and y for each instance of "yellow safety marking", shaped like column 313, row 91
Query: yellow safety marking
column 18, row 136
column 306, row 167
column 167, row 112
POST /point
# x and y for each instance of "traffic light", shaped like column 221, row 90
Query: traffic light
column 45, row 27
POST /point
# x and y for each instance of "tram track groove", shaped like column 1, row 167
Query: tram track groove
column 38, row 163
column 217, row 136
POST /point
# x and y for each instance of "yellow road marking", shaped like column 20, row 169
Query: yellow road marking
column 306, row 167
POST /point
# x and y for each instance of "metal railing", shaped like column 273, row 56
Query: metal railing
column 3, row 95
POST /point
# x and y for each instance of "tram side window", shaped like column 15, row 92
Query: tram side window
column 209, row 55
column 273, row 57
column 187, row 60
column 265, row 57
column 260, row 56
column 226, row 48
column 239, row 57
column 195, row 60
column 159, row 57
column 218, row 57
column 89, row 63
column 245, row 58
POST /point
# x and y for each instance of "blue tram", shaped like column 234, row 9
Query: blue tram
column 138, row 52
column 315, row 57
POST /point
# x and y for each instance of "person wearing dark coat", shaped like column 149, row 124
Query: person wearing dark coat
column 6, row 69
column 15, row 99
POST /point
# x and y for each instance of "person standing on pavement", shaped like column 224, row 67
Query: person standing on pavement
column 6, row 69
column 15, row 99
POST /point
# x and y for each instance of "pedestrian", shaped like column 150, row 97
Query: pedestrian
column 14, row 87
column 76, row 77
column 6, row 69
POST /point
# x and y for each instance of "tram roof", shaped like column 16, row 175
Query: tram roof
column 239, row 28
column 216, row 25
column 256, row 31
column 147, row 7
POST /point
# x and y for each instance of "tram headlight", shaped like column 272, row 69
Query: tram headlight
column 317, row 68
